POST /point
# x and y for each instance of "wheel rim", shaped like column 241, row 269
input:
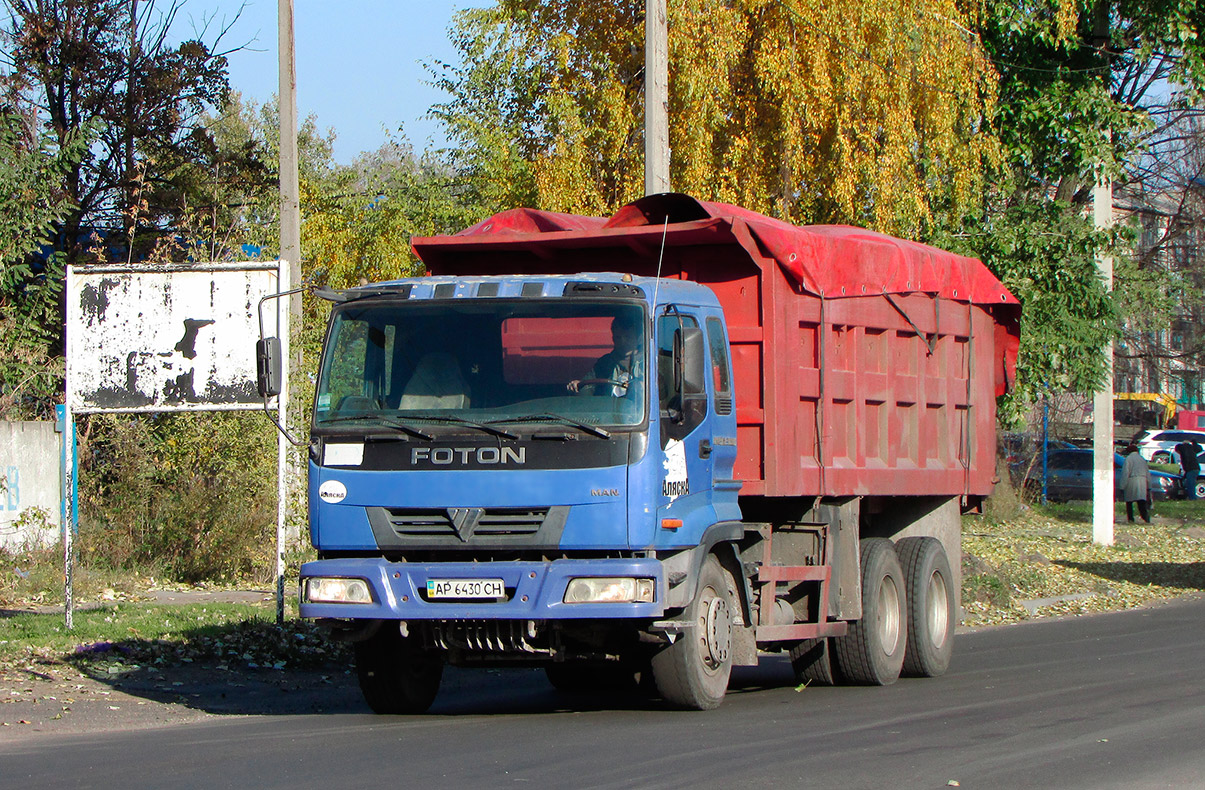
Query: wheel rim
column 889, row 615
column 938, row 615
column 717, row 630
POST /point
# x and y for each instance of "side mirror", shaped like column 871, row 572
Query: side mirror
column 267, row 366
column 688, row 347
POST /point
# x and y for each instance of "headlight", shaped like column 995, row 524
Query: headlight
column 321, row 589
column 610, row 590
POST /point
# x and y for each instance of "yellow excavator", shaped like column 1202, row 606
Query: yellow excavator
column 1144, row 409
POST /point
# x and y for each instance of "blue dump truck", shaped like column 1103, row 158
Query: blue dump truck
column 646, row 448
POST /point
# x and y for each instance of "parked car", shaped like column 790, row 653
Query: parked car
column 1069, row 476
column 1021, row 451
column 1159, row 446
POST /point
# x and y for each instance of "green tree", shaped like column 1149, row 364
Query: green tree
column 30, row 204
column 1087, row 88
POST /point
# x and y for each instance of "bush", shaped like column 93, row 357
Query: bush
column 188, row 496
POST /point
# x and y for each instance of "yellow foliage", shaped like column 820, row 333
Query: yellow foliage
column 871, row 112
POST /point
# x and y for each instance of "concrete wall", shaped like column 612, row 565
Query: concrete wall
column 31, row 492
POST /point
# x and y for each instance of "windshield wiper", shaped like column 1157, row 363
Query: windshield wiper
column 380, row 419
column 505, row 434
column 547, row 415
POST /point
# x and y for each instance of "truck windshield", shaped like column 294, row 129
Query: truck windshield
column 469, row 364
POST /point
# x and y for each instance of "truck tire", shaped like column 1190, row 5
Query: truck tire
column 931, row 614
column 693, row 671
column 396, row 676
column 812, row 661
column 872, row 651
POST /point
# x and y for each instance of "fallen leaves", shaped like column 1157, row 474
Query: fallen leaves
column 1037, row 566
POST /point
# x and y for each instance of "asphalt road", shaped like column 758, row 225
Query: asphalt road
column 1111, row 701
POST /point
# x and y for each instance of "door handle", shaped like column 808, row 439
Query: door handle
column 704, row 448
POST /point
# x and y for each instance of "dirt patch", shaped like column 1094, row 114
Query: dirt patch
column 51, row 697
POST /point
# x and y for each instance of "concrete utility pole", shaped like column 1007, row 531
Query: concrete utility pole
column 1102, row 402
column 290, row 270
column 290, row 188
column 656, row 98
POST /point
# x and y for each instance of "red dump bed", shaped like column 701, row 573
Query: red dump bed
column 863, row 364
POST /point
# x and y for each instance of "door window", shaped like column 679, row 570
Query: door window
column 681, row 412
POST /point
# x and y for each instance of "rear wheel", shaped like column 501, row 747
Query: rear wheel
column 395, row 675
column 693, row 671
column 812, row 661
column 931, row 612
column 872, row 650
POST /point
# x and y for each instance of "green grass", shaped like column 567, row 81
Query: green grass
column 1183, row 510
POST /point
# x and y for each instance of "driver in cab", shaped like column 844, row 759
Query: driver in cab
column 615, row 371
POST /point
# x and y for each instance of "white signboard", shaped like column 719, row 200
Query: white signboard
column 165, row 338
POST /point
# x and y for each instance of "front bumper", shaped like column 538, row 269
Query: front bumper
column 534, row 590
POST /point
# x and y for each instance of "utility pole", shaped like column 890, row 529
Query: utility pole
column 1102, row 402
column 290, row 271
column 656, row 98
column 290, row 189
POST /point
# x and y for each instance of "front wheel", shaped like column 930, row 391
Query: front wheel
column 693, row 671
column 872, row 650
column 395, row 675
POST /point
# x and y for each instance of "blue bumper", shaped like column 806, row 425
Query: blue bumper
column 535, row 590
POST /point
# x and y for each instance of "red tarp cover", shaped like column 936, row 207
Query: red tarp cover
column 870, row 262
column 830, row 261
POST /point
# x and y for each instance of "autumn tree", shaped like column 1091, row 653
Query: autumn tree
column 809, row 111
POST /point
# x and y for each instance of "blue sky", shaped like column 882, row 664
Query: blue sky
column 359, row 62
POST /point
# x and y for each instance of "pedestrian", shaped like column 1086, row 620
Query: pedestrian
column 1190, row 466
column 1136, row 484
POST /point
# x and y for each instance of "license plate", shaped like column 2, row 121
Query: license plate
column 465, row 588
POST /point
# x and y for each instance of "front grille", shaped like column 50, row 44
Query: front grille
column 467, row 527
column 474, row 521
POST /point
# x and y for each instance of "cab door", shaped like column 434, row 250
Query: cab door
column 687, row 452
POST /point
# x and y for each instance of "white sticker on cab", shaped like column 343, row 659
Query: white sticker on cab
column 332, row 492
column 343, row 454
